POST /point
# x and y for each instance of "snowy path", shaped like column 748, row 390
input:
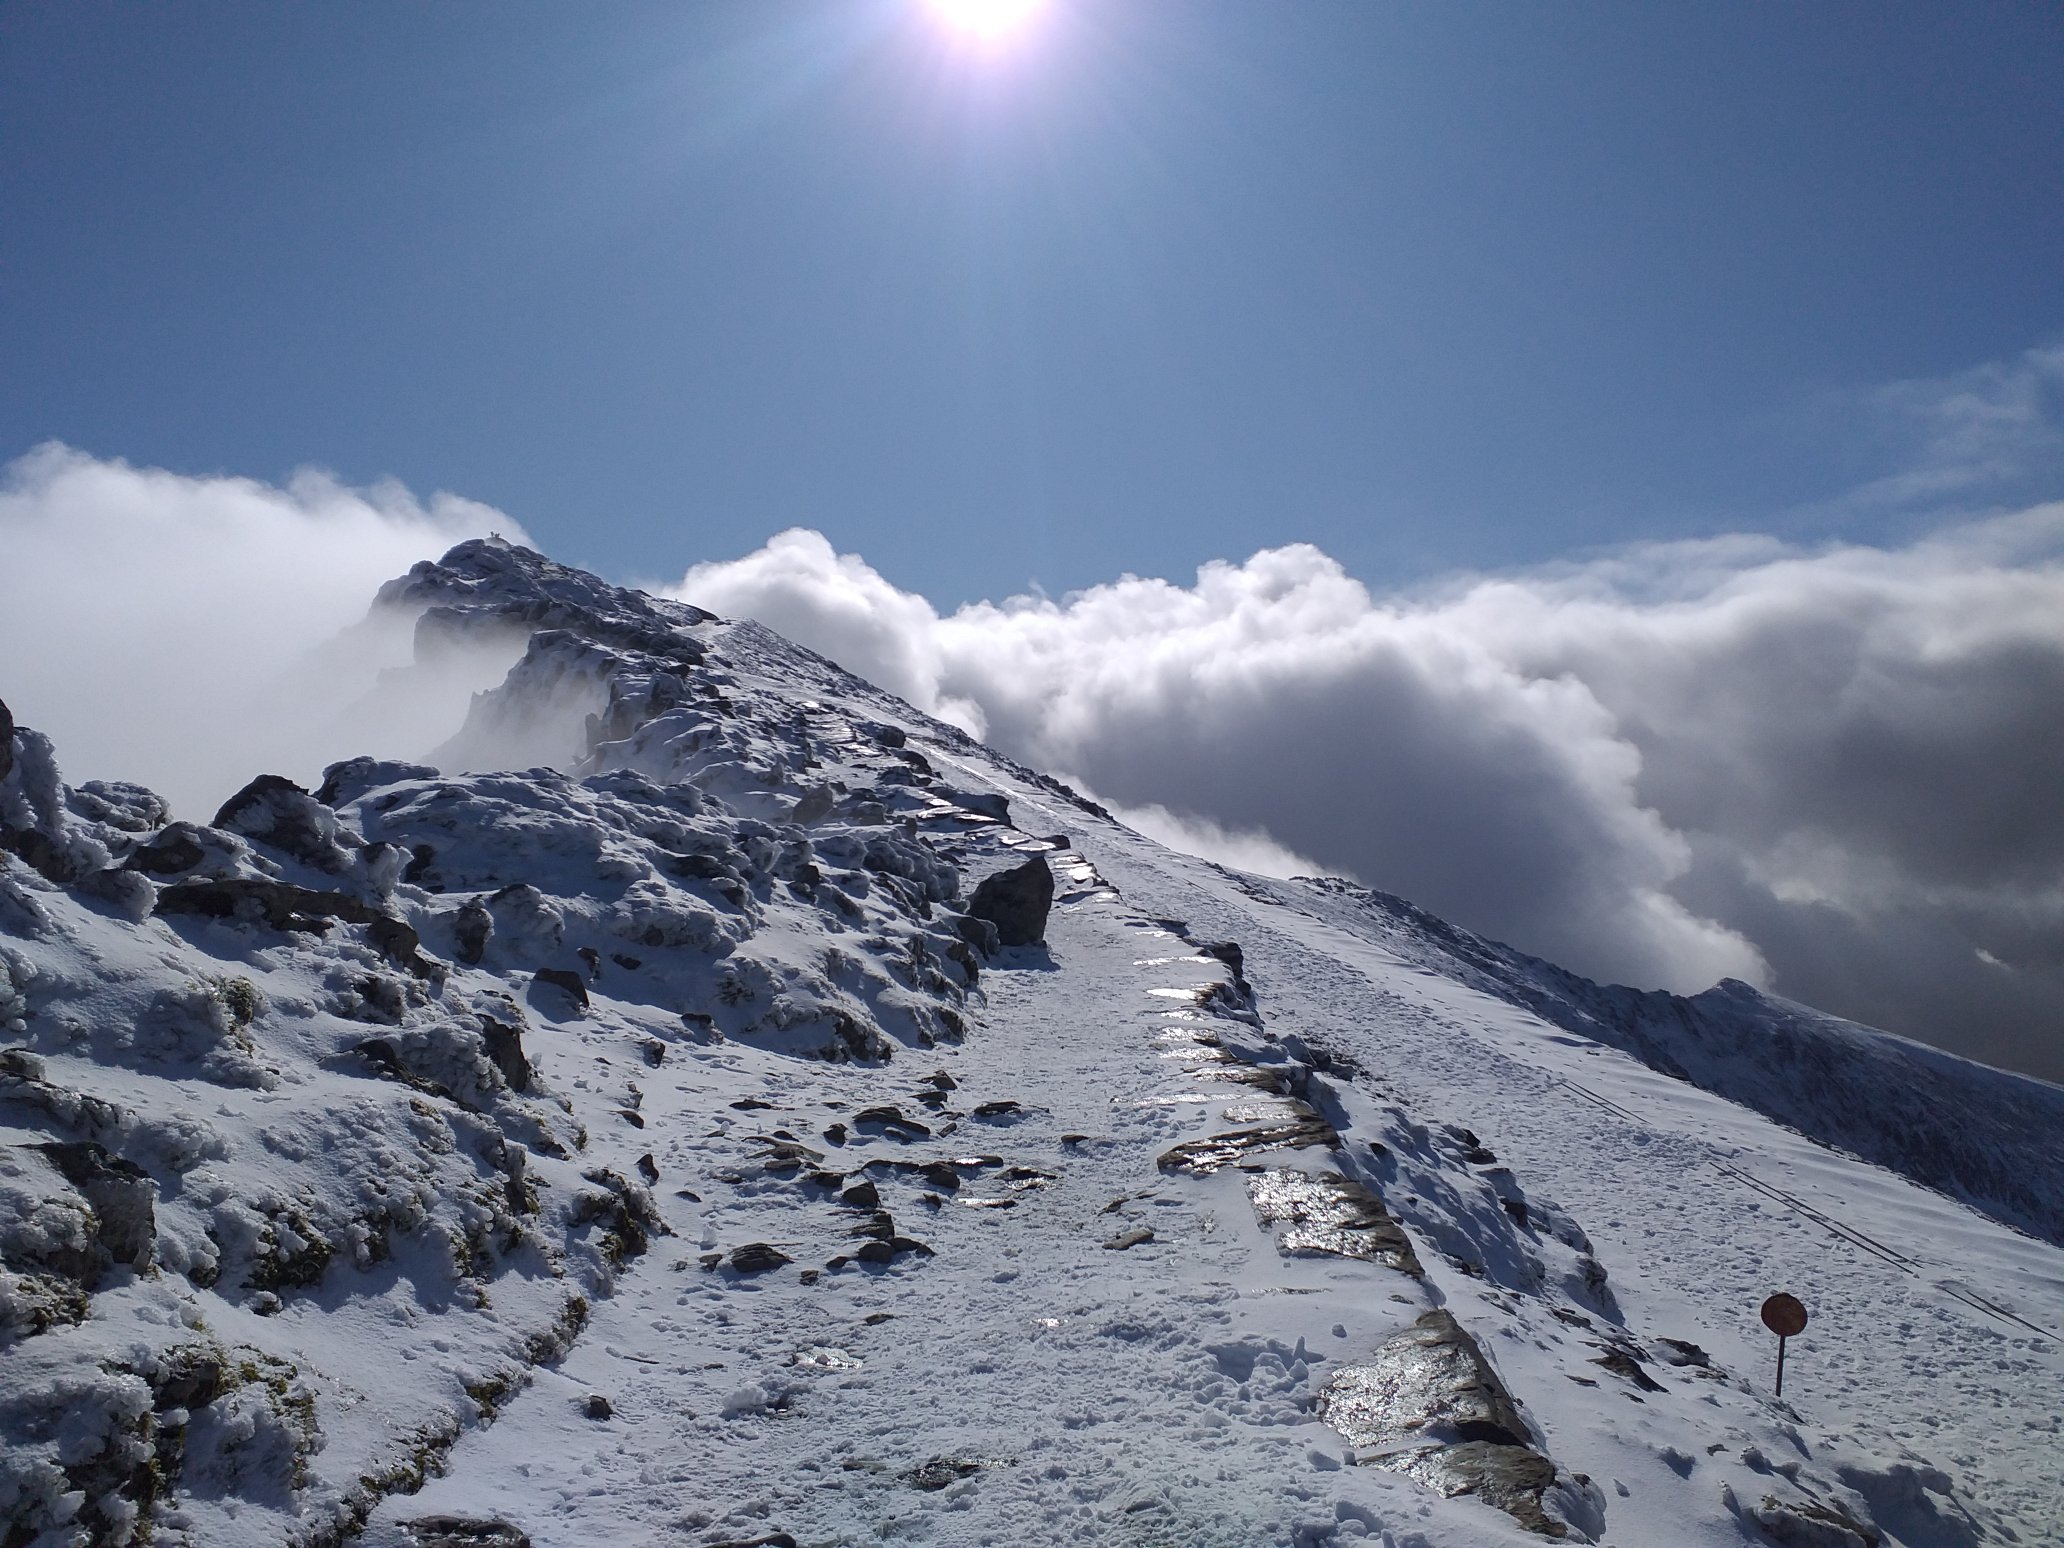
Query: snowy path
column 1894, row 1363
column 1154, row 1394
column 1030, row 1385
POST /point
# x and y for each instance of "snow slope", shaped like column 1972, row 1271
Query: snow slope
column 647, row 1147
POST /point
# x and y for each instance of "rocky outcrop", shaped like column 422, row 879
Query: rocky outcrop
column 123, row 1197
column 1428, row 1405
column 1017, row 902
column 276, row 811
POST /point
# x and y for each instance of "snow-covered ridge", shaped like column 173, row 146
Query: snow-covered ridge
column 1992, row 1138
column 707, row 1101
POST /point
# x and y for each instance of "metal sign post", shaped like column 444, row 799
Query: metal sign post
column 1784, row 1316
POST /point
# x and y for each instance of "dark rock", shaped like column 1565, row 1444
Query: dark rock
column 383, row 1056
column 941, row 1175
column 1816, row 1524
column 986, row 803
column 417, row 871
column 472, row 928
column 629, row 964
column 592, row 961
column 758, row 1258
column 257, row 900
column 814, row 807
column 1138, row 1236
column 652, row 1051
column 463, row 1532
column 397, row 941
column 940, row 1080
column 41, row 853
column 880, row 1225
column 170, row 852
column 862, row 1195
column 122, row 1195
column 1627, row 1368
column 6, row 740
column 999, row 1109
column 192, row 1377
column 978, row 933
column 835, row 1133
column 1017, row 902
column 648, row 1169
column 631, row 1116
column 1229, row 953
column 875, row 1252
column 939, row 1472
column 890, row 1121
column 771, row 1540
column 963, row 955
column 598, row 1407
column 567, row 982
column 1680, row 1352
column 274, row 810
column 505, row 1049
column 787, row 1156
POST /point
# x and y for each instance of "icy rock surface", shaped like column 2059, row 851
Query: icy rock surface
column 629, row 1124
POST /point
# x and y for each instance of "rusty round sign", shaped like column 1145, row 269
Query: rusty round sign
column 1783, row 1315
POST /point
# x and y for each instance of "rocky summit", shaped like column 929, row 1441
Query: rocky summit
column 705, row 1101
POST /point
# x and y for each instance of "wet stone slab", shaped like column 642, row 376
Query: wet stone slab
column 1428, row 1405
column 1509, row 1478
column 1300, row 1128
column 1316, row 1214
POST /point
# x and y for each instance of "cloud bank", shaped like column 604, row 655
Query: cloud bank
column 1836, row 772
column 185, row 632
column 1833, row 772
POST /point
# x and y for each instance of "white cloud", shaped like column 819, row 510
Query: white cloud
column 1245, row 849
column 1830, row 770
column 1833, row 769
column 164, row 628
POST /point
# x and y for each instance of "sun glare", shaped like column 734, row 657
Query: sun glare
column 986, row 21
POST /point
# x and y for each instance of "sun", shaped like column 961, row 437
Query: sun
column 986, row 21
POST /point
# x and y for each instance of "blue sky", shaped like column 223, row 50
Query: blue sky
column 1427, row 285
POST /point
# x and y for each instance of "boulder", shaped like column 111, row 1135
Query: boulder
column 123, row 1197
column 504, row 1044
column 119, row 803
column 1017, row 902
column 177, row 848
column 566, row 982
column 472, row 929
column 276, row 811
column 352, row 778
column 6, row 740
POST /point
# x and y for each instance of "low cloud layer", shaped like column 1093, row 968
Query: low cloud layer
column 1835, row 772
column 1832, row 772
column 188, row 633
